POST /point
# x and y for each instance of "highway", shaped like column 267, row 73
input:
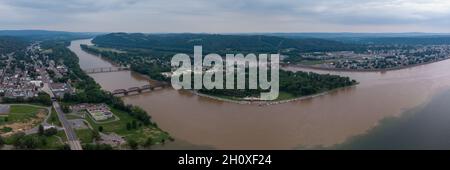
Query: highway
column 70, row 132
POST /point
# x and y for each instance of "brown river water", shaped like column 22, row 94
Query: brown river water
column 199, row 122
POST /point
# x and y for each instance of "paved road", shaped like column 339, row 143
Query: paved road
column 71, row 135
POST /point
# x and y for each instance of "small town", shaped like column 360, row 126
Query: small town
column 37, row 109
column 29, row 77
column 383, row 57
column 24, row 77
column 223, row 84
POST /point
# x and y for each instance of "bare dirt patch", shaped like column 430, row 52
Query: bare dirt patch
column 24, row 126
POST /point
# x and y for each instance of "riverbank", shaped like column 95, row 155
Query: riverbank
column 270, row 103
column 324, row 121
column 359, row 70
column 134, row 125
column 283, row 98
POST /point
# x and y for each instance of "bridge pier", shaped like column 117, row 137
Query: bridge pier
column 105, row 69
column 139, row 89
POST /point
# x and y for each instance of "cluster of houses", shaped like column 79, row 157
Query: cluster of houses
column 19, row 84
column 381, row 59
column 25, row 79
column 60, row 89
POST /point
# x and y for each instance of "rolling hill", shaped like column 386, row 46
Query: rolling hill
column 217, row 43
column 11, row 44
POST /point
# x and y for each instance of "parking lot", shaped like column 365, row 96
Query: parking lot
column 4, row 109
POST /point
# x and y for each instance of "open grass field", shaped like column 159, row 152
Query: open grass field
column 85, row 135
column 53, row 119
column 21, row 114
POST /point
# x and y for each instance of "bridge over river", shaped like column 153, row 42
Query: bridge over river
column 105, row 70
column 149, row 87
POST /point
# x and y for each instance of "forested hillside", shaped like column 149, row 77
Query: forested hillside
column 42, row 35
column 215, row 43
column 11, row 44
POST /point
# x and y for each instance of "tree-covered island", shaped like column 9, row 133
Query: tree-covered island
column 151, row 55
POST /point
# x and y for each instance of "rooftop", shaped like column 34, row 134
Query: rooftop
column 58, row 86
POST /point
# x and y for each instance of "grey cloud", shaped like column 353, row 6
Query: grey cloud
column 220, row 15
column 70, row 5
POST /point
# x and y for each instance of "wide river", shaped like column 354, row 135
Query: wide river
column 198, row 122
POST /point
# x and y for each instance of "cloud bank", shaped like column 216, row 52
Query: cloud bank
column 227, row 15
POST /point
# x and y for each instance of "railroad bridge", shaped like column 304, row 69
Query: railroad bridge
column 105, row 70
column 149, row 87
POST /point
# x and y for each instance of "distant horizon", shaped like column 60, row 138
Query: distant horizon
column 307, row 32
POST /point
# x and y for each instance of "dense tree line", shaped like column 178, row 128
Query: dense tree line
column 43, row 35
column 89, row 146
column 163, row 45
column 22, row 141
column 216, row 43
column 48, row 132
column 11, row 44
column 308, row 83
column 296, row 83
column 42, row 98
column 140, row 61
column 417, row 40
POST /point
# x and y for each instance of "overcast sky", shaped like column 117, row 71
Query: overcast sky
column 227, row 15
